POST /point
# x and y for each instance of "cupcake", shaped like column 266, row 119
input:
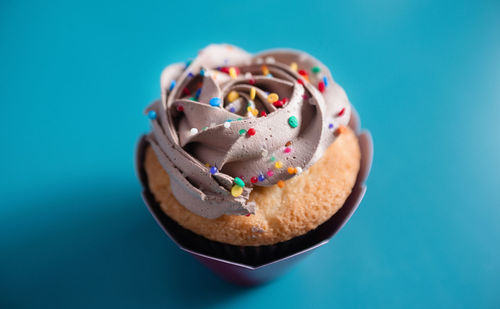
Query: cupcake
column 250, row 154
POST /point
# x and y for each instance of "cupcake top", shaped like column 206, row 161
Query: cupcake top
column 229, row 120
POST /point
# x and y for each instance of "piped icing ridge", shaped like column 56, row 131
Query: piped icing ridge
column 228, row 121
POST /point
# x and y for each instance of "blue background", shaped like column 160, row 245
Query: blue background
column 75, row 78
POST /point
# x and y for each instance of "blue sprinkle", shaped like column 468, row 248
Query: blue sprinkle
column 202, row 72
column 325, row 81
column 229, row 120
column 232, row 109
column 172, row 85
column 152, row 115
column 330, row 126
column 190, row 75
column 213, row 170
column 261, row 177
column 197, row 94
column 215, row 102
column 188, row 63
column 269, row 75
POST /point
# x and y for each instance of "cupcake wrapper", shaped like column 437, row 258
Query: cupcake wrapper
column 251, row 265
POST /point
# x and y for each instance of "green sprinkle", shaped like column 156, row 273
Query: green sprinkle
column 293, row 122
column 239, row 118
column 272, row 158
column 204, row 128
column 315, row 70
column 243, row 131
column 239, row 182
column 192, row 99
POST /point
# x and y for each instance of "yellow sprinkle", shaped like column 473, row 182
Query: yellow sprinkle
column 293, row 66
column 255, row 112
column 278, row 164
column 233, row 95
column 291, row 170
column 252, row 93
column 232, row 73
column 265, row 70
column 236, row 190
column 207, row 165
column 281, row 183
column 249, row 109
column 273, row 97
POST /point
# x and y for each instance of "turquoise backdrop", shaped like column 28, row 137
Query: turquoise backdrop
column 75, row 77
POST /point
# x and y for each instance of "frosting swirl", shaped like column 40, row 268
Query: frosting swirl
column 228, row 115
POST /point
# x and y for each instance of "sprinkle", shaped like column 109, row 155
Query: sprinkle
column 263, row 114
column 239, row 182
column 207, row 165
column 204, row 128
column 298, row 170
column 272, row 158
column 280, row 183
column 261, row 177
column 303, row 73
column 330, row 126
column 321, row 87
column 215, row 102
column 293, row 66
column 288, row 149
column 325, row 81
column 232, row 109
column 254, row 179
column 340, row 130
column 202, row 72
column 341, row 112
column 251, row 81
column 227, row 124
column 278, row 103
column 193, row 131
column 273, row 97
column 213, row 170
column 232, row 72
column 188, row 63
column 300, row 81
column 233, row 95
column 190, row 75
column 293, row 122
column 252, row 93
column 270, row 173
column 278, row 164
column 251, row 132
column 265, row 70
column 180, row 108
column 152, row 115
column 315, row 70
column 255, row 112
column 236, row 190
column 269, row 75
column 264, row 152
column 270, row 59
column 242, row 131
column 239, row 118
column 172, row 85
column 248, row 75
column 197, row 94
column 288, row 143
column 186, row 91
column 291, row 170
column 192, row 99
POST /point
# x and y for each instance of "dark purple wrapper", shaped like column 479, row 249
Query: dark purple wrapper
column 252, row 265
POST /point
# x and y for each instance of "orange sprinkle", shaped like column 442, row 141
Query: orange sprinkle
column 265, row 70
column 291, row 170
column 341, row 130
column 281, row 183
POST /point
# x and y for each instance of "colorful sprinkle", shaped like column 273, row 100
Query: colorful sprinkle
column 263, row 114
column 254, row 179
column 321, row 87
column 172, row 85
column 315, row 70
column 215, row 102
column 239, row 182
column 251, row 132
column 227, row 124
column 233, row 95
column 293, row 122
column 280, row 183
column 213, row 170
column 232, row 72
column 236, row 190
column 252, row 93
column 278, row 164
column 325, row 81
column 193, row 131
column 232, row 109
column 202, row 72
column 300, row 81
column 190, row 75
column 265, row 70
column 270, row 173
column 273, row 97
column 341, row 130
column 251, row 81
column 291, row 170
column 278, row 103
column 262, row 177
column 272, row 158
column 288, row 150
column 180, row 108
column 152, row 115
column 242, row 132
column 298, row 170
column 270, row 59
column 186, row 91
column 330, row 126
column 294, row 66
column 289, row 143
column 341, row 112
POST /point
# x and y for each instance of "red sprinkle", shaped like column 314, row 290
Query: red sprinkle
column 180, row 108
column 288, row 149
column 251, row 132
column 263, row 113
column 341, row 112
column 186, row 91
column 247, row 215
column 224, row 70
column 254, row 179
column 321, row 87
column 278, row 103
column 270, row 173
column 302, row 72
column 300, row 81
column 251, row 81
column 284, row 100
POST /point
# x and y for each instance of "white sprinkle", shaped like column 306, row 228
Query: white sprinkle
column 270, row 59
column 193, row 131
column 264, row 152
column 298, row 170
column 248, row 75
column 227, row 124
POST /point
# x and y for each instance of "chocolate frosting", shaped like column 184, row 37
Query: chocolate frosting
column 192, row 131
